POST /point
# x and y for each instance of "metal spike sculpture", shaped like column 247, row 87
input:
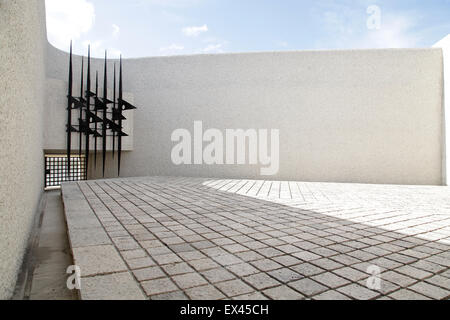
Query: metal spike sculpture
column 89, row 124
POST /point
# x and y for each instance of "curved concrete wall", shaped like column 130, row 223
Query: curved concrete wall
column 22, row 78
column 369, row 116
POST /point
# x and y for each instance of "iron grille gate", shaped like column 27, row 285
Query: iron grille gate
column 56, row 170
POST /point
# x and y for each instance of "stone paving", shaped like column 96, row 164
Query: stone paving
column 190, row 238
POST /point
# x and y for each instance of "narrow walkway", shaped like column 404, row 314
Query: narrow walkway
column 52, row 255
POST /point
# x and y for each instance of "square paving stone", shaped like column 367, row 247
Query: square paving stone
column 177, row 295
column 189, row 280
column 430, row 290
column 149, row 273
column 398, row 278
column 234, row 288
column 358, row 292
column 306, row 256
column 330, row 280
column 266, row 265
column 351, row 274
column 283, row 293
column 243, row 269
column 285, row 275
column 218, row 275
column 116, row 286
column 331, row 295
column 140, row 263
column 261, row 281
column 98, row 260
column 203, row 264
column 227, row 259
column 248, row 256
column 254, row 296
column 177, row 268
column 405, row 294
column 308, row 287
column 89, row 237
column 207, row 292
column 307, row 269
column 158, row 286
column 167, row 259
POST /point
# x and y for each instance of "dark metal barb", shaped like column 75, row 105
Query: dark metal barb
column 69, row 115
column 120, row 119
column 88, row 103
column 105, row 99
column 81, row 109
column 96, row 126
column 114, row 108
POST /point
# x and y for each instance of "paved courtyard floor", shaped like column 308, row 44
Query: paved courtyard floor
column 190, row 238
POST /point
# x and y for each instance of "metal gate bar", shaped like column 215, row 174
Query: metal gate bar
column 56, row 170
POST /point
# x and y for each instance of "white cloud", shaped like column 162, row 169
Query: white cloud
column 98, row 49
column 214, row 48
column 346, row 27
column 395, row 32
column 194, row 31
column 116, row 30
column 170, row 3
column 172, row 49
column 68, row 20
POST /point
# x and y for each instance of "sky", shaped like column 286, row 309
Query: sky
column 141, row 28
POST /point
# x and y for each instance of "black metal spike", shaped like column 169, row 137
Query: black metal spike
column 81, row 109
column 105, row 98
column 126, row 105
column 88, row 103
column 93, row 118
column 120, row 119
column 114, row 108
column 69, row 115
column 96, row 123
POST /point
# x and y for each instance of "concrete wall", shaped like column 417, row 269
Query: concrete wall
column 370, row 116
column 22, row 78
column 444, row 44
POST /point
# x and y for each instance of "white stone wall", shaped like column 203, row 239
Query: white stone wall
column 444, row 44
column 369, row 116
column 22, row 78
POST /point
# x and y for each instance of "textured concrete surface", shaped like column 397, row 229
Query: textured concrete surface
column 192, row 238
column 371, row 116
column 22, row 78
column 116, row 286
column 53, row 256
column 444, row 44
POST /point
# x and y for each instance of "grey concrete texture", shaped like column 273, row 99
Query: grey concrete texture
column 368, row 116
column 53, row 255
column 23, row 46
column 444, row 44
